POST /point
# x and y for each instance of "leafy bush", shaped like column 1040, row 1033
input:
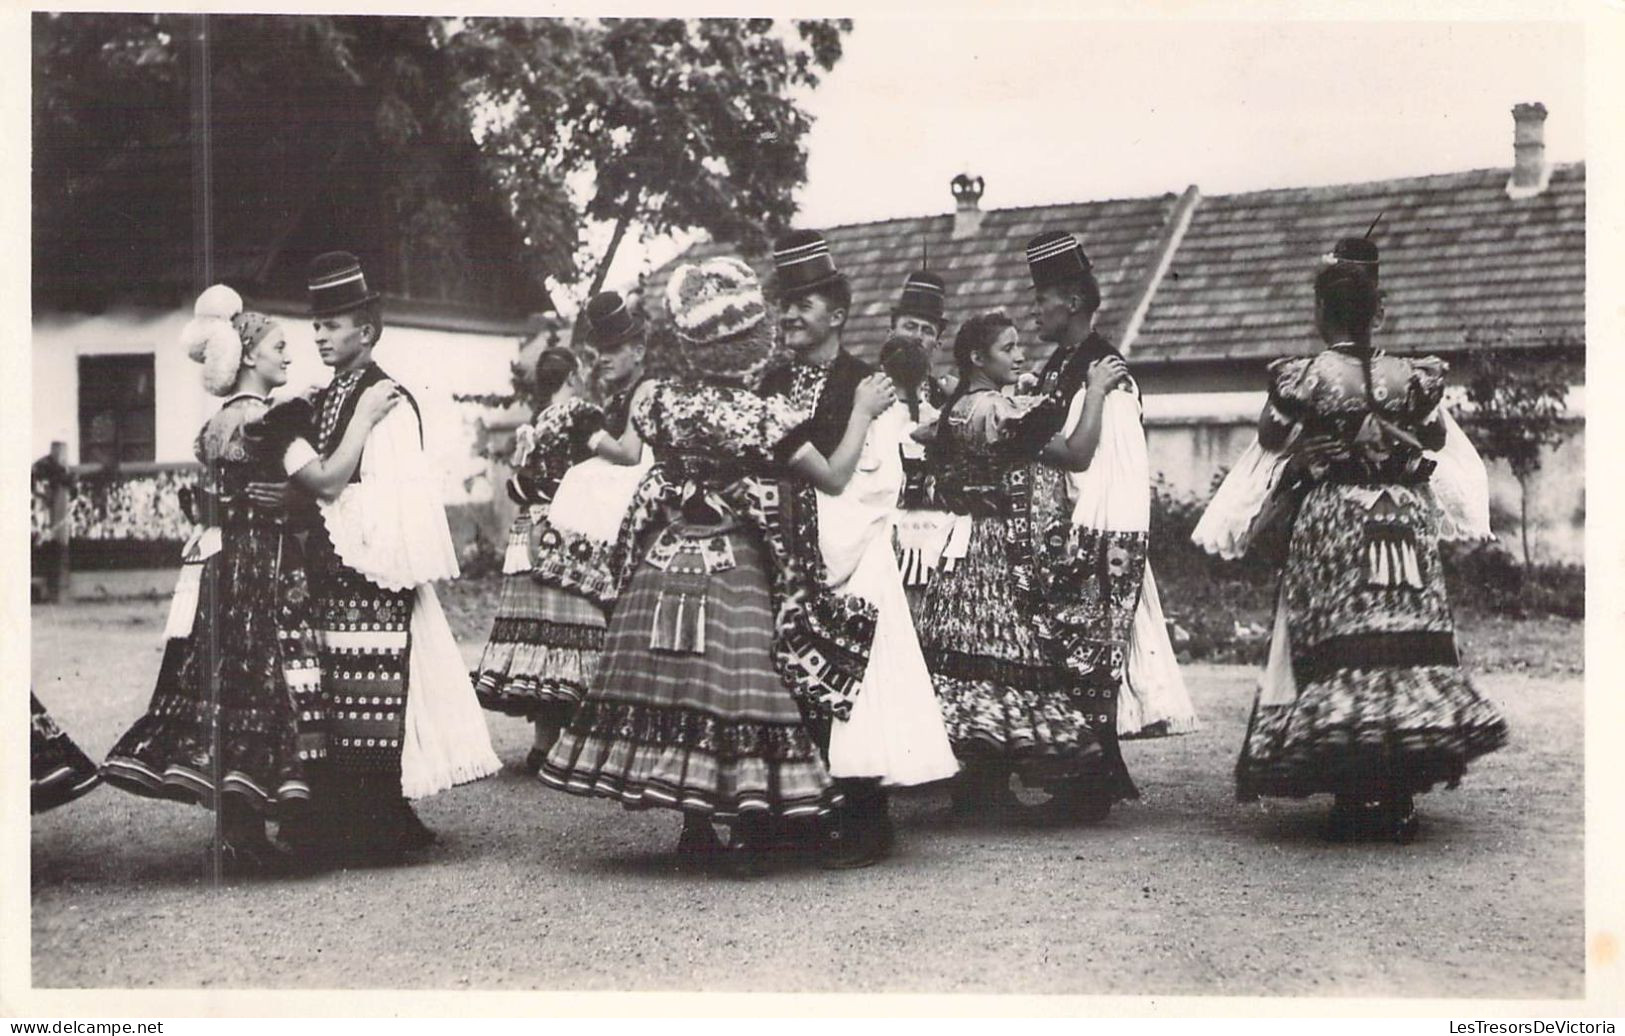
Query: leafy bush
column 1217, row 610
column 1487, row 578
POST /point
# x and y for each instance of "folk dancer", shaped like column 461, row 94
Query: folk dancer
column 544, row 643
column 403, row 719
column 1361, row 471
column 925, row 532
column 58, row 771
column 1008, row 705
column 251, row 744
column 1105, row 617
column 893, row 735
column 722, row 622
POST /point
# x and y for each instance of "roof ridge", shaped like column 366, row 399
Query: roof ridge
column 1397, row 182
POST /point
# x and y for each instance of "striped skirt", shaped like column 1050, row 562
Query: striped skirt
column 543, row 649
column 703, row 723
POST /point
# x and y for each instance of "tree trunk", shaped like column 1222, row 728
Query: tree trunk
column 1523, row 521
column 614, row 245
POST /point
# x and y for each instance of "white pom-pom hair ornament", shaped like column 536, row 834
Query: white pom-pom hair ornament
column 210, row 339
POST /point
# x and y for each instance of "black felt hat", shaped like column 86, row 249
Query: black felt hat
column 337, row 284
column 1055, row 259
column 923, row 296
column 1360, row 252
column 802, row 263
column 609, row 322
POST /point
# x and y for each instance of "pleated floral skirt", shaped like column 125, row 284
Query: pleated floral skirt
column 1001, row 698
column 1378, row 704
column 686, row 711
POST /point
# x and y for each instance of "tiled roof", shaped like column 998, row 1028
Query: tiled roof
column 1457, row 254
column 985, row 271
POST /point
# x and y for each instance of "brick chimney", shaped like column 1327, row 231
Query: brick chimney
column 1530, row 171
column 967, row 212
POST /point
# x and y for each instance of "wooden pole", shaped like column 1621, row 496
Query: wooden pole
column 203, row 271
column 61, row 528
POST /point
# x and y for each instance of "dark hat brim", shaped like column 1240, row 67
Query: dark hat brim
column 785, row 293
column 615, row 341
column 345, row 306
column 940, row 319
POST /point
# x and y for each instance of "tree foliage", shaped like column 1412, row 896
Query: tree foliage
column 674, row 123
column 325, row 132
column 1517, row 404
column 449, row 146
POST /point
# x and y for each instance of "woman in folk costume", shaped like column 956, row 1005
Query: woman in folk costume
column 1006, row 703
column 258, row 623
column 58, row 771
column 721, row 623
column 1364, row 696
column 544, row 642
column 573, row 537
column 403, row 719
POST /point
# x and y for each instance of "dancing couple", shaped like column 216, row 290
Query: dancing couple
column 309, row 676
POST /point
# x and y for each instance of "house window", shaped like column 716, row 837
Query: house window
column 117, row 410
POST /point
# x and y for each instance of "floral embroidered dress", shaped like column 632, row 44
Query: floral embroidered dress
column 983, row 628
column 720, row 625
column 272, row 721
column 1365, row 695
column 544, row 641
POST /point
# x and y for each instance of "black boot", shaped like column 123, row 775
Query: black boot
column 861, row 836
column 982, row 789
column 1352, row 819
column 415, row 834
column 747, row 851
column 1078, row 800
column 246, row 849
column 699, row 841
column 1399, row 814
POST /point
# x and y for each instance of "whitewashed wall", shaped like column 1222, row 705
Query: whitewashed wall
column 434, row 365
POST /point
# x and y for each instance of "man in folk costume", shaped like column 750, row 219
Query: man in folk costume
column 1096, row 576
column 920, row 315
column 893, row 734
column 1083, row 581
column 404, row 722
column 909, row 355
column 814, row 301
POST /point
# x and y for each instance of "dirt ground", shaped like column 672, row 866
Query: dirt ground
column 1182, row 892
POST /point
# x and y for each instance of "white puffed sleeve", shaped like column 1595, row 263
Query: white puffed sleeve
column 1114, row 492
column 1226, row 525
column 1461, row 486
column 391, row 525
